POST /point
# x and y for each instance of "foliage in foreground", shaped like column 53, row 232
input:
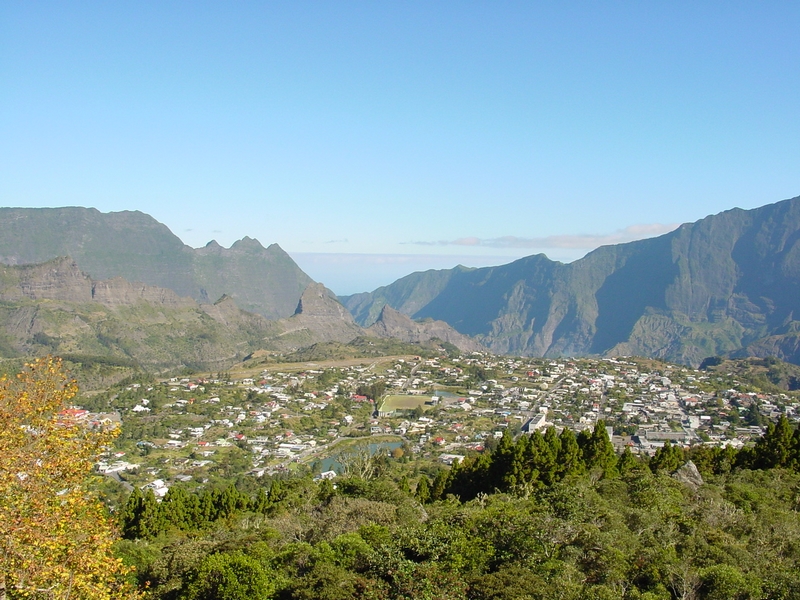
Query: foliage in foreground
column 607, row 527
column 55, row 538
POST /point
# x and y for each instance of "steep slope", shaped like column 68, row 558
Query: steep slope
column 133, row 245
column 318, row 318
column 727, row 282
column 261, row 280
column 56, row 308
column 127, row 244
column 394, row 324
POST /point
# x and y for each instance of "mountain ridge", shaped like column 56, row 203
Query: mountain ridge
column 55, row 308
column 135, row 246
column 722, row 284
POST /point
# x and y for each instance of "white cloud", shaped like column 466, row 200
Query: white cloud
column 584, row 241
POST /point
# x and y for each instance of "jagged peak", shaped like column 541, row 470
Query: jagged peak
column 247, row 243
column 391, row 314
column 318, row 301
column 213, row 244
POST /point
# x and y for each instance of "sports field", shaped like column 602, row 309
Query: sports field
column 403, row 402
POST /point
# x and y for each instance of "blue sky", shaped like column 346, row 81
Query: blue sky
column 374, row 139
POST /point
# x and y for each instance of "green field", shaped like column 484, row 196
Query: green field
column 403, row 402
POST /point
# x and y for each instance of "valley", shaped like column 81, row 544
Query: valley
column 463, row 434
column 208, row 429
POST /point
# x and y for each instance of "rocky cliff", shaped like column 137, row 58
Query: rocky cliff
column 728, row 283
column 59, row 279
column 56, row 308
column 319, row 317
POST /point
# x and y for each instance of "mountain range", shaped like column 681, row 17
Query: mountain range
column 135, row 246
column 727, row 284
column 56, row 308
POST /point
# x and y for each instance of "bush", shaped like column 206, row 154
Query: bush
column 229, row 576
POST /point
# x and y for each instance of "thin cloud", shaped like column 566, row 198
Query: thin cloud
column 582, row 241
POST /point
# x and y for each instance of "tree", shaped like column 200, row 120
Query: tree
column 569, row 459
column 229, row 576
column 667, row 458
column 439, row 485
column 626, row 461
column 753, row 416
column 358, row 461
column 423, row 490
column 776, row 447
column 55, row 538
column 598, row 450
column 141, row 517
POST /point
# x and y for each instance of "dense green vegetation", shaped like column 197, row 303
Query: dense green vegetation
column 768, row 374
column 546, row 516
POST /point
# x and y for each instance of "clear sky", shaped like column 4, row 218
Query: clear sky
column 372, row 139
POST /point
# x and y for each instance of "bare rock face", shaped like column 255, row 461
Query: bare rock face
column 319, row 318
column 62, row 280
column 58, row 279
column 120, row 292
column 317, row 302
column 394, row 324
column 689, row 475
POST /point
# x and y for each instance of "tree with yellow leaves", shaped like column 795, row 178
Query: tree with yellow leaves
column 55, row 538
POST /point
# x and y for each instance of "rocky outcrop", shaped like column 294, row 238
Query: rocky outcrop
column 59, row 279
column 120, row 292
column 319, row 317
column 317, row 302
column 394, row 324
column 689, row 475
column 62, row 280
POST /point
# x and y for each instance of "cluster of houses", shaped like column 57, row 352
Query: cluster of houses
column 456, row 406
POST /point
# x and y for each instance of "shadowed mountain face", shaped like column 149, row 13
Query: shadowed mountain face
column 727, row 283
column 133, row 245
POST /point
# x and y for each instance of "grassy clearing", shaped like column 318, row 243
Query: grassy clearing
column 403, row 402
